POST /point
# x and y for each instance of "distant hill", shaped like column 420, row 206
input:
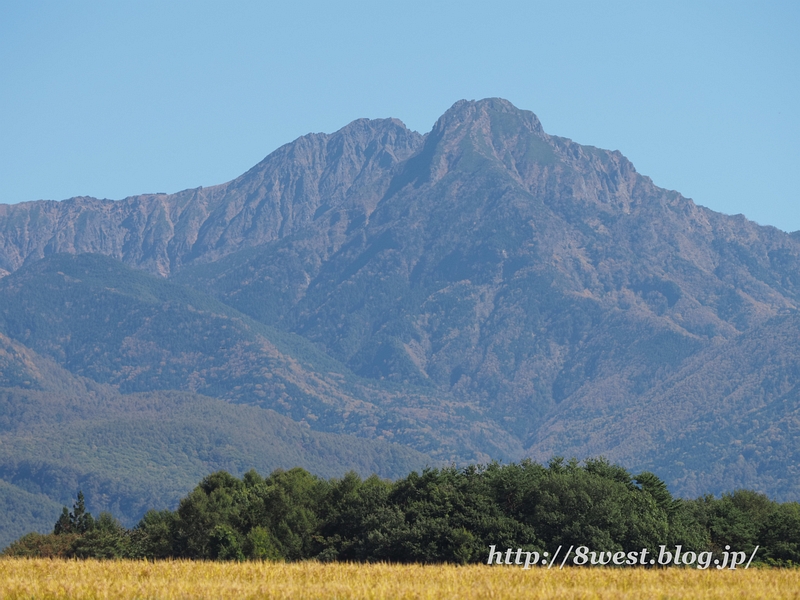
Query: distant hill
column 486, row 290
column 129, row 453
column 24, row 512
column 102, row 320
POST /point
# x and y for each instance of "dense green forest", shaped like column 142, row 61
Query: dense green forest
column 438, row 515
column 133, row 452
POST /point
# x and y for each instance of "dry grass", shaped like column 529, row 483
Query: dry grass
column 45, row 579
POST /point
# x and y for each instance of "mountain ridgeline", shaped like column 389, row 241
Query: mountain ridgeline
column 484, row 291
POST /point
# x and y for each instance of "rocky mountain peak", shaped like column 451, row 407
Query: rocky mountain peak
column 274, row 199
column 487, row 113
column 473, row 135
column 523, row 292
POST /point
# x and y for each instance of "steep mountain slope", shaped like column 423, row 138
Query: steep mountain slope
column 730, row 413
column 102, row 320
column 521, row 270
column 485, row 290
column 160, row 232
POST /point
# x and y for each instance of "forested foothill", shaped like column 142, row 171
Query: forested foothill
column 443, row 515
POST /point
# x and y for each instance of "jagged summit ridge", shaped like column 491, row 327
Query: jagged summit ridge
column 514, row 282
column 348, row 172
column 159, row 233
column 480, row 112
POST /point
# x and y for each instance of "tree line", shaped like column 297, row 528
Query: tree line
column 439, row 515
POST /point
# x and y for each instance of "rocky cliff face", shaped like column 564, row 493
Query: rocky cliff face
column 544, row 286
column 507, row 265
column 276, row 198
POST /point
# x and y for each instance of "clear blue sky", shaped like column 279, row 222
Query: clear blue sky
column 111, row 99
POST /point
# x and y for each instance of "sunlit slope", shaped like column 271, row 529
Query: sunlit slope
column 277, row 197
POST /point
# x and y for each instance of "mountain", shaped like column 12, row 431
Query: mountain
column 131, row 452
column 102, row 320
column 547, row 280
column 486, row 290
column 160, row 232
column 731, row 413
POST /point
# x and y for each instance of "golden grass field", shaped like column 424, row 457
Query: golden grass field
column 46, row 579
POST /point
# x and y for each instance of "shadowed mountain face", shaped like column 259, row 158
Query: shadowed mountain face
column 114, row 325
column 538, row 296
column 60, row 433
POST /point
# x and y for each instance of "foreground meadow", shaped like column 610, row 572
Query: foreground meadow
column 46, row 579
